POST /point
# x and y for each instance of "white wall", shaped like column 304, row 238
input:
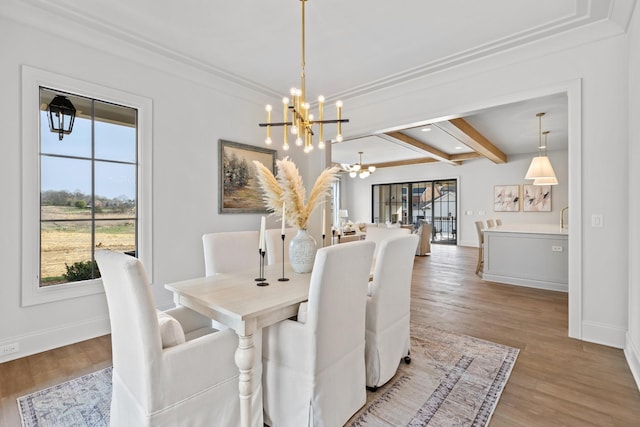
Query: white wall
column 191, row 111
column 632, row 347
column 476, row 180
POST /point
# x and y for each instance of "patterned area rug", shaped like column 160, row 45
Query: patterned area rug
column 452, row 380
column 80, row 402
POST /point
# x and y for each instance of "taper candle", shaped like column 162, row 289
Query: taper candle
column 324, row 221
column 283, row 221
column 262, row 226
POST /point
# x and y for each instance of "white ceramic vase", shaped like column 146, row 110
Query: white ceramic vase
column 302, row 252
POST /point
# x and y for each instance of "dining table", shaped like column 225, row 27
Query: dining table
column 245, row 304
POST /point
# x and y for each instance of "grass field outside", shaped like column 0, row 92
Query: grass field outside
column 67, row 239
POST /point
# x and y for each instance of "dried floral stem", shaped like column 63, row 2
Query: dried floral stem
column 287, row 187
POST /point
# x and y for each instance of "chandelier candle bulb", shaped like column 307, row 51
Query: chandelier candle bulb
column 285, row 113
column 268, row 140
column 320, row 117
column 339, row 113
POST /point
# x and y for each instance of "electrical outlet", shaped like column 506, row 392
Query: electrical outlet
column 556, row 248
column 597, row 220
column 9, row 348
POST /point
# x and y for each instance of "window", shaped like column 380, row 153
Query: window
column 91, row 190
column 88, row 183
column 410, row 202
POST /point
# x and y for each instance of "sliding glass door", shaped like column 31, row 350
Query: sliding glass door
column 410, row 202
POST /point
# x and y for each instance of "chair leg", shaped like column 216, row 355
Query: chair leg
column 479, row 264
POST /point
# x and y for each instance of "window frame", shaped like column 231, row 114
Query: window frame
column 32, row 80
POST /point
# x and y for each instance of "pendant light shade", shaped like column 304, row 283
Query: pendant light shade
column 545, row 181
column 540, row 168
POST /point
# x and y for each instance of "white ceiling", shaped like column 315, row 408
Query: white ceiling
column 354, row 47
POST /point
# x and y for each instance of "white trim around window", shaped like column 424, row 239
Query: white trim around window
column 32, row 79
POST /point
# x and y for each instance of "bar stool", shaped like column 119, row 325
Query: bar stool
column 480, row 231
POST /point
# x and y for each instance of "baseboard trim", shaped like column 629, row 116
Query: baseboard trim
column 632, row 353
column 48, row 339
column 601, row 333
column 529, row 283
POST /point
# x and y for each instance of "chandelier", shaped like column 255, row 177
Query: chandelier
column 301, row 122
column 540, row 169
column 358, row 169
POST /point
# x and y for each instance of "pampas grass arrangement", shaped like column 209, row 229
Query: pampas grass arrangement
column 287, row 187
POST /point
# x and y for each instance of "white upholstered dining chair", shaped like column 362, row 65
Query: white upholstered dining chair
column 228, row 251
column 388, row 308
column 169, row 368
column 273, row 240
column 314, row 370
column 377, row 235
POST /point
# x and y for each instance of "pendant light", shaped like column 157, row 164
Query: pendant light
column 545, row 181
column 540, row 167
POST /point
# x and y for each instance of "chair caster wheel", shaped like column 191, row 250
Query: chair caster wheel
column 407, row 359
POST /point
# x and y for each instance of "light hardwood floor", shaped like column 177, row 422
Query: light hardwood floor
column 556, row 381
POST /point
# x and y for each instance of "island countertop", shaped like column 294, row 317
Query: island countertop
column 529, row 228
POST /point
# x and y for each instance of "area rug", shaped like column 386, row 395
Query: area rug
column 452, row 380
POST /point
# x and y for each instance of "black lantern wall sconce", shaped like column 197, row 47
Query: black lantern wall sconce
column 62, row 113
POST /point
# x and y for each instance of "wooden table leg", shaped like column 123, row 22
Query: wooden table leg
column 244, row 358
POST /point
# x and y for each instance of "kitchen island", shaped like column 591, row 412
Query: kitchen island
column 533, row 255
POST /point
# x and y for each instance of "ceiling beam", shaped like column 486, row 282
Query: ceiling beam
column 439, row 155
column 466, row 156
column 469, row 136
column 405, row 162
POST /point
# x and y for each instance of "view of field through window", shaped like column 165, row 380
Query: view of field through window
column 88, row 188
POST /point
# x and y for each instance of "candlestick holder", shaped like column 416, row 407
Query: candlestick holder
column 261, row 279
column 283, row 279
column 333, row 236
column 323, row 239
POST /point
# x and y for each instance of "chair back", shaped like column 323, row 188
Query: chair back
column 135, row 334
column 273, row 239
column 498, row 221
column 391, row 288
column 490, row 223
column 337, row 301
column 228, row 251
column 480, row 232
column 377, row 235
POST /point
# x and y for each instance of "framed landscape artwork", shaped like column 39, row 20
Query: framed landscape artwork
column 537, row 198
column 506, row 198
column 239, row 188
